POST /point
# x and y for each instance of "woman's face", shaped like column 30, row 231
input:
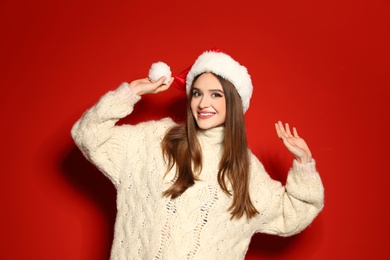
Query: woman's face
column 208, row 103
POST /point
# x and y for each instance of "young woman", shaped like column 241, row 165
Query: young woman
column 194, row 190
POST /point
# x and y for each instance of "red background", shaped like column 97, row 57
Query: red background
column 323, row 66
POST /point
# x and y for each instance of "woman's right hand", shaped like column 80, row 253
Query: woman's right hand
column 145, row 86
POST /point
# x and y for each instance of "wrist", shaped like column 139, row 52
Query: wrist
column 135, row 89
column 303, row 160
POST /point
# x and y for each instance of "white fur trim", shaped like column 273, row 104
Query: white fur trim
column 158, row 70
column 225, row 66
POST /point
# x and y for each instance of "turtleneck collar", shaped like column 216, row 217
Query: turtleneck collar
column 211, row 137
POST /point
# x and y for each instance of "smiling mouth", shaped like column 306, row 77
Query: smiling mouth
column 205, row 115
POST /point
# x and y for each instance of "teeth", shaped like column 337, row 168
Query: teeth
column 206, row 114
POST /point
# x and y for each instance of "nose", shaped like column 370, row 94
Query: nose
column 204, row 102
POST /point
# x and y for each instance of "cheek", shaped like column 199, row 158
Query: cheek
column 223, row 107
column 192, row 106
column 224, row 110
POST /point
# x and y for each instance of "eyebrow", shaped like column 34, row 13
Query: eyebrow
column 210, row 90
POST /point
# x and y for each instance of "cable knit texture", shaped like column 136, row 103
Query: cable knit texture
column 197, row 224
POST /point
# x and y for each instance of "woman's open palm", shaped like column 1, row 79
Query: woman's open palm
column 293, row 142
column 145, row 86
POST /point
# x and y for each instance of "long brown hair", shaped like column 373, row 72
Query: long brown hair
column 180, row 146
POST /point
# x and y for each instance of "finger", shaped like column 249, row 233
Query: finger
column 162, row 88
column 171, row 80
column 288, row 129
column 156, row 85
column 281, row 128
column 160, row 81
column 278, row 132
column 295, row 131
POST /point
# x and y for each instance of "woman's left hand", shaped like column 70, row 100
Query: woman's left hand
column 145, row 86
column 295, row 144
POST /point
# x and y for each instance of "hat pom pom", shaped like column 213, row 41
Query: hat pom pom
column 158, row 70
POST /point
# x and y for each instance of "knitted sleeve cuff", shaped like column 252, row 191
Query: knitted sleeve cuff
column 116, row 104
column 304, row 182
column 307, row 168
column 126, row 93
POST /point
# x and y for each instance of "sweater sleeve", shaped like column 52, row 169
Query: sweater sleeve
column 96, row 135
column 287, row 210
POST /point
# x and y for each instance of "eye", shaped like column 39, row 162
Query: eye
column 196, row 93
column 216, row 94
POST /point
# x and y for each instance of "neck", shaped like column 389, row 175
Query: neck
column 211, row 137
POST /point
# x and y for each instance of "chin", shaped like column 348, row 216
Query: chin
column 203, row 126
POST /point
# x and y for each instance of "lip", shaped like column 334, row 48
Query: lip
column 205, row 114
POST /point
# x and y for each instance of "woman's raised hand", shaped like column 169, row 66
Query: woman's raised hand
column 295, row 144
column 145, row 86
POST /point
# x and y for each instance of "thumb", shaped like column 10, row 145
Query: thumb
column 160, row 86
column 160, row 81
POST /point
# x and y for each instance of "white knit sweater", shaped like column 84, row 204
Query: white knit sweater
column 197, row 224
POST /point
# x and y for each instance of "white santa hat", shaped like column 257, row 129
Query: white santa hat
column 215, row 62
column 225, row 66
